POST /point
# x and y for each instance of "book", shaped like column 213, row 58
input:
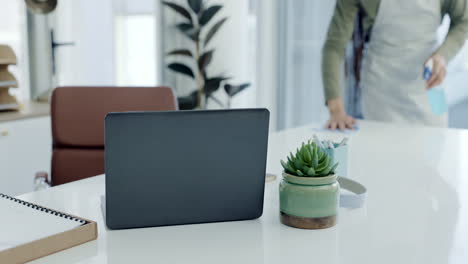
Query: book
column 29, row 231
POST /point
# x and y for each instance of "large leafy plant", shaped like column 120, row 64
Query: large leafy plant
column 197, row 27
column 309, row 161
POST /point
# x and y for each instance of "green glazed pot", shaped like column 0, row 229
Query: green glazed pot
column 309, row 202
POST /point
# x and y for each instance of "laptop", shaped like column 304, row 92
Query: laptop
column 184, row 167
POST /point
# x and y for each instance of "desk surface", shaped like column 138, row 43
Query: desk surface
column 416, row 211
column 28, row 109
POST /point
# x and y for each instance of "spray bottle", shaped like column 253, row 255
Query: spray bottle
column 436, row 94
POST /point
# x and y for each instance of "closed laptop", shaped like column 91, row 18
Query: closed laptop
column 184, row 167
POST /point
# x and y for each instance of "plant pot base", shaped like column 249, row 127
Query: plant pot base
column 308, row 223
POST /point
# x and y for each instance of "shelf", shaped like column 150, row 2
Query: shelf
column 27, row 110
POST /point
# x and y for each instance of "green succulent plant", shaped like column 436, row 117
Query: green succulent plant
column 310, row 161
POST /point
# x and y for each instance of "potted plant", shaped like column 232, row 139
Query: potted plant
column 309, row 191
column 198, row 29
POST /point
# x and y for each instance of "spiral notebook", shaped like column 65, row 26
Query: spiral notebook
column 29, row 231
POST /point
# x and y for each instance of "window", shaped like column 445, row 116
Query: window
column 303, row 25
column 135, row 51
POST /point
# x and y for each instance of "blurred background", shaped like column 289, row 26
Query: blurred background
column 273, row 46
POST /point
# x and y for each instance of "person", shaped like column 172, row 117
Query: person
column 402, row 38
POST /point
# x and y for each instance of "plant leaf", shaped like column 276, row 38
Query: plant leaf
column 311, row 172
column 179, row 9
column 205, row 59
column 188, row 102
column 298, row 164
column 312, row 153
column 291, row 162
column 181, row 68
column 184, row 27
column 321, row 155
column 195, row 5
column 307, row 156
column 232, row 90
column 334, row 167
column 212, row 84
column 290, row 170
column 183, row 52
column 322, row 161
column 284, row 164
column 213, row 30
column 209, row 13
column 326, row 172
column 324, row 166
column 317, row 153
column 189, row 30
column 193, row 34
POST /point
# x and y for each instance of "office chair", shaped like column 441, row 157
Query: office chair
column 78, row 126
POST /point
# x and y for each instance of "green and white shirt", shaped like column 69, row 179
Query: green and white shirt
column 342, row 26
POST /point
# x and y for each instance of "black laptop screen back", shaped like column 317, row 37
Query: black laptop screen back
column 169, row 168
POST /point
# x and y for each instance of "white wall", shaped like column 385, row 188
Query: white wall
column 267, row 59
column 247, row 50
column 89, row 24
column 233, row 46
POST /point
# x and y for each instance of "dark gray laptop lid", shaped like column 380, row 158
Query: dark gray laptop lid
column 182, row 167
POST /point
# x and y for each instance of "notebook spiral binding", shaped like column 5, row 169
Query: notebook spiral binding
column 42, row 209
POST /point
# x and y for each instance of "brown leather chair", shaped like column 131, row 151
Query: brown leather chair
column 78, row 124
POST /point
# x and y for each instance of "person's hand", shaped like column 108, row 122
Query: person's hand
column 439, row 70
column 338, row 117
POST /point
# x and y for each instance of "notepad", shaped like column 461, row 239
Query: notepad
column 21, row 222
column 26, row 228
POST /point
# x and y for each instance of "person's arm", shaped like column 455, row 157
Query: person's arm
column 456, row 37
column 458, row 31
column 333, row 53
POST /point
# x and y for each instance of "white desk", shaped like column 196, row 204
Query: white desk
column 416, row 211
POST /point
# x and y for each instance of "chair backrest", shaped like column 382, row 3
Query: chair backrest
column 78, row 124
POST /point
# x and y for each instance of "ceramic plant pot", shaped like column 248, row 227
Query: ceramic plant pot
column 309, row 202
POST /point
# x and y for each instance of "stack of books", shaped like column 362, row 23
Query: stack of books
column 7, row 80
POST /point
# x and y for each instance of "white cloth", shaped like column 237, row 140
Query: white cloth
column 402, row 39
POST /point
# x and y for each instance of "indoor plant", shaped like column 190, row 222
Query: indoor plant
column 309, row 191
column 196, row 27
